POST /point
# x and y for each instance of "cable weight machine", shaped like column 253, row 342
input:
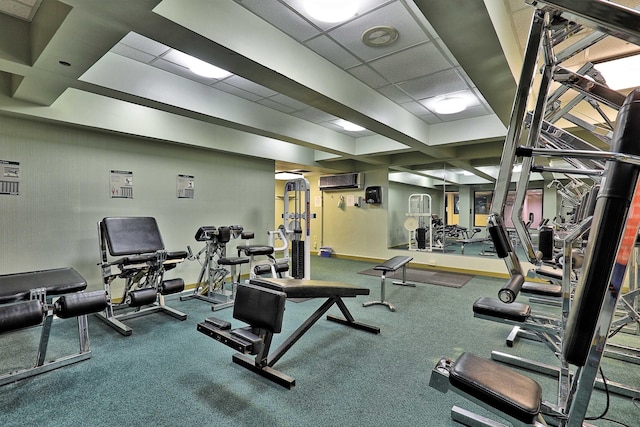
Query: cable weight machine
column 297, row 226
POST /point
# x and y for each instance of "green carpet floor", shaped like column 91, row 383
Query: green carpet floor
column 168, row 374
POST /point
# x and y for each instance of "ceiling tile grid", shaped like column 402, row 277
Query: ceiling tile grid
column 403, row 71
column 414, row 72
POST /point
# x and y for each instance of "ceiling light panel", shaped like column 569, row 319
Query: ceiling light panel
column 393, row 15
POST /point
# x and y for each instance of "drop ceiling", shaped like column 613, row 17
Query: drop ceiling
column 294, row 80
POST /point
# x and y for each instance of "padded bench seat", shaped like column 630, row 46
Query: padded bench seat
column 296, row 288
column 496, row 308
column 26, row 301
column 542, row 289
column 502, row 388
column 393, row 264
column 17, row 287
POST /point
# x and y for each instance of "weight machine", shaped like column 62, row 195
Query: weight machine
column 297, row 226
column 419, row 224
column 210, row 285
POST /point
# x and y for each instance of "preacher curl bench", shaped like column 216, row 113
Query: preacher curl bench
column 261, row 305
column 34, row 298
column 142, row 265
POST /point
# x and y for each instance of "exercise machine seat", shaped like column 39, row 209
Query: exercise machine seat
column 496, row 308
column 498, row 386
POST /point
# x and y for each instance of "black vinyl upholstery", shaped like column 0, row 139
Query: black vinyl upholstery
column 260, row 307
column 500, row 387
column 394, row 263
column 496, row 308
column 17, row 286
column 298, row 288
column 132, row 235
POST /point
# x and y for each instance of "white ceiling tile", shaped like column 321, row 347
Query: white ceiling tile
column 144, row 44
column 250, row 86
column 233, row 90
column 282, row 17
column 394, row 94
column 131, row 53
column 415, row 108
column 332, row 51
column 268, row 102
column 289, row 102
column 417, row 61
column 313, row 115
column 440, row 83
column 368, row 76
column 393, row 15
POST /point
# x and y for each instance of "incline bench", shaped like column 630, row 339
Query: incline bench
column 27, row 299
column 260, row 304
column 391, row 266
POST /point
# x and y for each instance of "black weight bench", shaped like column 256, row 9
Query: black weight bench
column 142, row 266
column 261, row 305
column 34, row 298
column 391, row 266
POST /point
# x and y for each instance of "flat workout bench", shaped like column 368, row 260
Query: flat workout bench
column 26, row 300
column 261, row 305
column 390, row 266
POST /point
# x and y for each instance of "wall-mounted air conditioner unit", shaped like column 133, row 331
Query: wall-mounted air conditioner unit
column 341, row 181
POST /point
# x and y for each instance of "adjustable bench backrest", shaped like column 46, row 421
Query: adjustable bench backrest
column 260, row 307
column 131, row 235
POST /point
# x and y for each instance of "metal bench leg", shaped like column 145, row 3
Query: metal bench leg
column 381, row 301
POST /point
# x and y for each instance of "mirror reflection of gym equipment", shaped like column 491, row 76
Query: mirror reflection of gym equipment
column 419, row 223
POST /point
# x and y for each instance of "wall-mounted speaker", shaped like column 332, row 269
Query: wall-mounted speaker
column 373, row 195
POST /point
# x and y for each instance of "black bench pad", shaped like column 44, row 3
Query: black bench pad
column 496, row 308
column 498, row 386
column 394, row 263
column 256, row 250
column 545, row 289
column 233, row 261
column 298, row 288
column 551, row 273
column 17, row 287
column 132, row 235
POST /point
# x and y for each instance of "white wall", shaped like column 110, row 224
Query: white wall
column 65, row 191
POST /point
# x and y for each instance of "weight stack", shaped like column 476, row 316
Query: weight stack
column 545, row 243
column 421, row 237
column 297, row 259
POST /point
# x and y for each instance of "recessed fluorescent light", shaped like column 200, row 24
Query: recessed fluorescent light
column 286, row 176
column 623, row 73
column 450, row 105
column 517, row 168
column 205, row 69
column 351, row 126
column 331, row 10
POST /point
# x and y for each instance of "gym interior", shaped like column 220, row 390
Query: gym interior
column 471, row 266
